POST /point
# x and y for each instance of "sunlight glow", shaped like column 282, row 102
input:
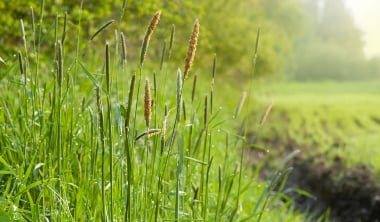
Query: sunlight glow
column 367, row 18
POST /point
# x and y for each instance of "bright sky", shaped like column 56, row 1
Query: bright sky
column 367, row 17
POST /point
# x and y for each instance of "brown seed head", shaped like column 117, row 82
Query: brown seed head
column 191, row 50
column 152, row 26
column 147, row 104
column 153, row 23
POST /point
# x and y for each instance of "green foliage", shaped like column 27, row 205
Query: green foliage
column 326, row 61
column 232, row 26
column 228, row 28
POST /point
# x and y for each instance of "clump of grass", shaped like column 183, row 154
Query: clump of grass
column 104, row 169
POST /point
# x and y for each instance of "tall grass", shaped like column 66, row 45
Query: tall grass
column 168, row 156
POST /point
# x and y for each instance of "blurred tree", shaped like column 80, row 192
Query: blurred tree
column 231, row 28
column 228, row 28
column 337, row 26
column 331, row 48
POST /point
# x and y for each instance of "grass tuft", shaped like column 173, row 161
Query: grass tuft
column 71, row 154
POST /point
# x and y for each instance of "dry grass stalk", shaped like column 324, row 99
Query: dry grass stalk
column 152, row 26
column 191, row 50
column 149, row 133
column 165, row 122
column 241, row 103
column 266, row 114
column 147, row 104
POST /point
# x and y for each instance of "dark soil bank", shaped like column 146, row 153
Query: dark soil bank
column 350, row 194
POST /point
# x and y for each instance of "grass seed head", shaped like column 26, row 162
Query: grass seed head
column 147, row 104
column 123, row 49
column 149, row 133
column 266, row 114
column 191, row 50
column 152, row 26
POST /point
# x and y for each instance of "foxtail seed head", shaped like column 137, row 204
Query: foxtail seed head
column 123, row 49
column 152, row 26
column 147, row 103
column 191, row 50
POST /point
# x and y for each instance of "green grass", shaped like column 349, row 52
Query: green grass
column 75, row 146
column 336, row 118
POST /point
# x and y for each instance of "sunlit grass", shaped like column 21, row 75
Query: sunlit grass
column 76, row 145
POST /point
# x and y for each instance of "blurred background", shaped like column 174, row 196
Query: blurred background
column 302, row 40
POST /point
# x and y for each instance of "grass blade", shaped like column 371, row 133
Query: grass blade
column 103, row 27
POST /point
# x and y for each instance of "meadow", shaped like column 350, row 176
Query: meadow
column 336, row 128
column 102, row 130
column 337, row 118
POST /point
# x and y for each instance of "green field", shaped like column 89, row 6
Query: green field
column 335, row 126
column 337, row 118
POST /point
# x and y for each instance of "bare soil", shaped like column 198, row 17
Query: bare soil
column 350, row 194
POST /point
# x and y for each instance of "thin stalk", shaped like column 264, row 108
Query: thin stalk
column 110, row 143
column 245, row 127
column 178, row 114
column 203, row 179
column 59, row 119
column 102, row 144
column 220, row 185
column 194, row 88
column 128, row 150
column 163, row 55
column 25, row 101
column 63, row 36
column 212, row 84
column 206, row 199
